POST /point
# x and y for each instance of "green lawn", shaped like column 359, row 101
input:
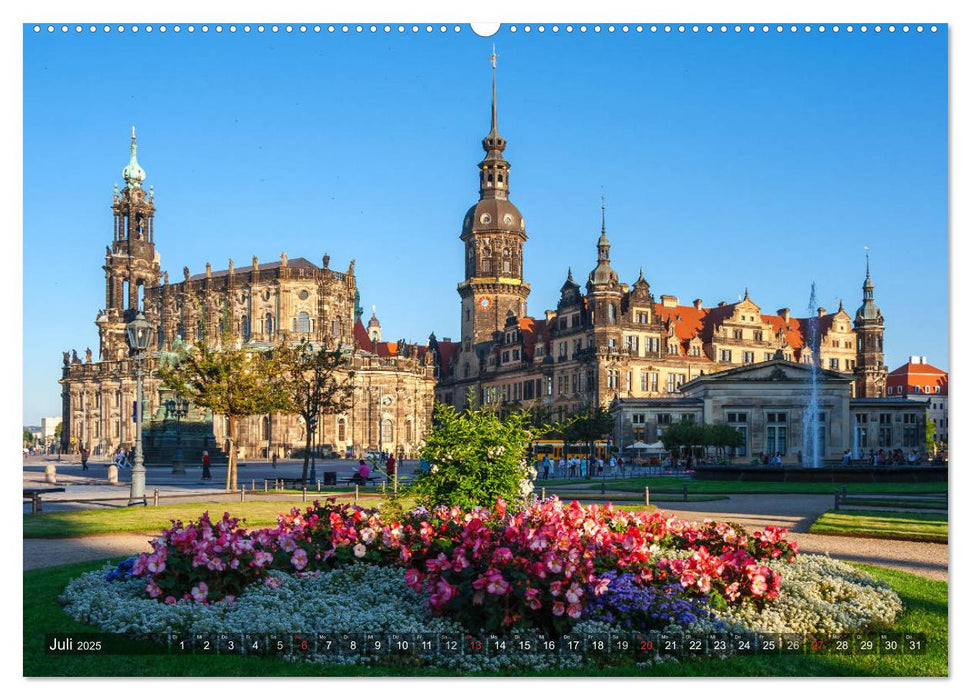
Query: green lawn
column 926, row 612
column 675, row 483
column 153, row 519
column 919, row 527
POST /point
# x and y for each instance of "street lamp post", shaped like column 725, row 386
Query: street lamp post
column 138, row 332
column 179, row 408
column 312, row 427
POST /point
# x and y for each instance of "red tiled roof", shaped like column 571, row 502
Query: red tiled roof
column 447, row 350
column 914, row 376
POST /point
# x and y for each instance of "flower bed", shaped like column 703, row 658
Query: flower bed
column 550, row 569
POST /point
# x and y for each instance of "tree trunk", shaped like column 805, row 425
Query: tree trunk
column 231, row 465
column 306, row 454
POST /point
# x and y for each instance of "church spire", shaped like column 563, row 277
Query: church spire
column 494, row 169
column 133, row 173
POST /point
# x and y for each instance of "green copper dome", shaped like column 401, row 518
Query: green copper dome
column 133, row 173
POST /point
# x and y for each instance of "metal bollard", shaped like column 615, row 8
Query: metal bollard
column 266, row 486
column 836, row 500
column 155, row 498
column 384, row 485
column 304, row 493
column 242, row 493
column 253, row 485
column 318, row 485
column 844, row 490
column 647, row 496
column 357, row 493
column 542, row 494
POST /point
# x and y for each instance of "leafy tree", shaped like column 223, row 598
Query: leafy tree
column 317, row 382
column 230, row 381
column 929, row 445
column 475, row 457
column 592, row 424
column 722, row 436
column 28, row 437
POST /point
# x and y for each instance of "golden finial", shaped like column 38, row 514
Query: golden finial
column 132, row 132
column 494, row 55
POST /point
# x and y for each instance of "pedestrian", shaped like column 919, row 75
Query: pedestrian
column 206, row 474
column 84, row 458
column 846, row 458
column 274, row 460
column 546, row 467
column 390, row 467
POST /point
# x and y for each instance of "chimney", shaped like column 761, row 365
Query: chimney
column 820, row 312
column 550, row 315
column 446, row 340
column 785, row 314
column 668, row 301
column 697, row 304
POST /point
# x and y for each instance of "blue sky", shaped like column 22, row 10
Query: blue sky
column 728, row 161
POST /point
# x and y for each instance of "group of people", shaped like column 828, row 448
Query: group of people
column 895, row 458
column 772, row 460
column 363, row 472
column 580, row 467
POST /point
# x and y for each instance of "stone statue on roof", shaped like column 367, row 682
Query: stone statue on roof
column 87, row 356
column 67, row 358
column 185, row 271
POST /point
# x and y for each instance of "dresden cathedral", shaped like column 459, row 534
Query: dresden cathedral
column 285, row 300
column 604, row 341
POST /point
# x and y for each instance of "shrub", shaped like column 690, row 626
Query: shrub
column 476, row 457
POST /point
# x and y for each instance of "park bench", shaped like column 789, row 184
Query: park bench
column 34, row 495
column 371, row 479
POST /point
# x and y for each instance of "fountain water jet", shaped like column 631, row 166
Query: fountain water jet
column 810, row 428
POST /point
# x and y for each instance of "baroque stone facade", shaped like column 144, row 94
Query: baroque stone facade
column 767, row 403
column 257, row 305
column 615, row 340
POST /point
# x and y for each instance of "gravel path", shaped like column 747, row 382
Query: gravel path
column 39, row 553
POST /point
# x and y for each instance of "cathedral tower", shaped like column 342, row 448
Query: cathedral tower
column 131, row 263
column 871, row 373
column 493, row 233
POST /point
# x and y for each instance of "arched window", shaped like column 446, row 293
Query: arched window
column 244, row 325
column 265, row 428
column 387, row 432
column 269, row 323
column 200, row 329
column 611, row 314
column 341, row 430
column 303, row 322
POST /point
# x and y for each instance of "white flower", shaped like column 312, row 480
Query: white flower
column 359, row 550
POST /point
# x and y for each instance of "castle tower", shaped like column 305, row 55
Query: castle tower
column 871, row 373
column 131, row 263
column 493, row 233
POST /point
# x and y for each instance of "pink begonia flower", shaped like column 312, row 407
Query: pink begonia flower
column 272, row 582
column 299, row 559
column 359, row 550
column 153, row 589
column 154, row 564
column 573, row 593
column 170, row 600
column 574, row 610
column 759, row 585
column 199, row 592
column 558, row 608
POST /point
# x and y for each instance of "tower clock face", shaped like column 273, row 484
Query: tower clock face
column 484, row 302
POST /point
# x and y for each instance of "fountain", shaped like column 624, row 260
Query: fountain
column 810, row 427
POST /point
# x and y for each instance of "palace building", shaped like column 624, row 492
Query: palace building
column 285, row 300
column 612, row 340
